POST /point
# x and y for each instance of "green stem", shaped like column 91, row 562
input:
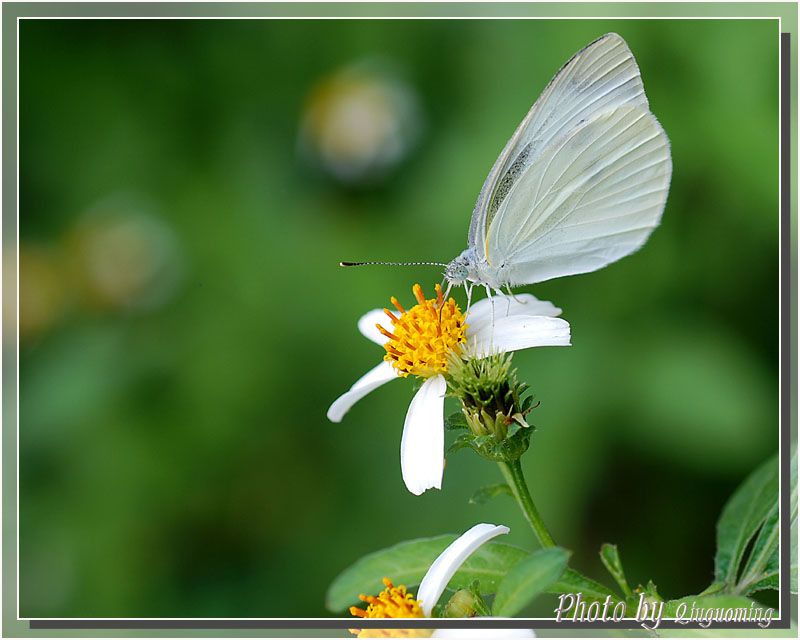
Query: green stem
column 513, row 475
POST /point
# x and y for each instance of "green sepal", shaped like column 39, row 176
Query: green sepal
column 463, row 441
column 527, row 403
column 455, row 421
column 481, row 608
column 650, row 592
column 493, row 408
column 506, row 450
column 475, row 586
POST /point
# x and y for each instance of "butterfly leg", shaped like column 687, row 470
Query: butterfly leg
column 491, row 300
column 511, row 293
column 499, row 292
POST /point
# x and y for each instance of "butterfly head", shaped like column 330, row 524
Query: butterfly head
column 461, row 268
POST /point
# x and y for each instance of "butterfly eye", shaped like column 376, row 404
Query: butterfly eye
column 456, row 272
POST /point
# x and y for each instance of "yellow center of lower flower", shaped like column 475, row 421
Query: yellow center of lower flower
column 423, row 336
column 392, row 602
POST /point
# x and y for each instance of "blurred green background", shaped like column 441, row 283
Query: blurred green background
column 186, row 191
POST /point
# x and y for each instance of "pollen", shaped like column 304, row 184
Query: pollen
column 392, row 602
column 423, row 337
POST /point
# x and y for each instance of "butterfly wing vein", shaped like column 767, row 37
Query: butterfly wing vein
column 583, row 180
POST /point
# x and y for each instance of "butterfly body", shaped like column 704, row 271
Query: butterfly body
column 468, row 268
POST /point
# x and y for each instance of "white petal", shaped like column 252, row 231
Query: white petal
column 422, row 446
column 371, row 380
column 367, row 322
column 480, row 314
column 448, row 562
column 487, row 634
column 521, row 332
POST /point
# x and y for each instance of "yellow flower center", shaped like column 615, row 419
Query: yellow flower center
column 423, row 336
column 392, row 602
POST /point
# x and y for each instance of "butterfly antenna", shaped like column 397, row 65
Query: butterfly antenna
column 392, row 264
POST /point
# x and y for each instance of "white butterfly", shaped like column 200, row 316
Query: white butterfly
column 581, row 183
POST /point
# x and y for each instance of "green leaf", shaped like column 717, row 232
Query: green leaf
column 406, row 563
column 403, row 563
column 489, row 564
column 573, row 582
column 528, row 579
column 763, row 563
column 484, row 494
column 610, row 557
column 741, row 518
column 770, row 581
column 712, row 589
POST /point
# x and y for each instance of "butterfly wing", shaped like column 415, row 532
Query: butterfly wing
column 590, row 198
column 599, row 78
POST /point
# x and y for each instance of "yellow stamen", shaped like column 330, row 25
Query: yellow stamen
column 397, row 304
column 423, row 336
column 388, row 334
column 392, row 602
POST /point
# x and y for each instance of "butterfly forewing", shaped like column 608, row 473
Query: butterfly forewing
column 590, row 198
column 597, row 79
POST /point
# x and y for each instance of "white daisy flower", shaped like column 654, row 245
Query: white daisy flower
column 396, row 602
column 418, row 342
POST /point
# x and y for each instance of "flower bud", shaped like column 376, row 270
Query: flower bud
column 461, row 605
column 492, row 404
